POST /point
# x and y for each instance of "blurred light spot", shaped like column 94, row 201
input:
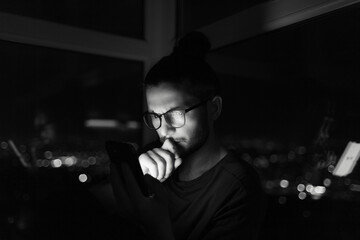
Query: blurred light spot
column 45, row 163
column 302, row 195
column 83, row 178
column 11, row 220
column 331, row 168
column 284, row 183
column 69, row 161
column 327, row 182
column 319, row 190
column 309, row 188
column 85, row 163
column 56, row 163
column 22, row 148
column 39, row 163
column 315, row 197
column 102, row 123
column 92, row 160
column 133, row 125
column 273, row 158
column 261, row 162
column 301, row 150
column 355, row 187
column 246, row 157
column 48, row 154
column 282, row 200
column 300, row 187
column 4, row 145
column 291, row 155
column 269, row 185
column 21, row 224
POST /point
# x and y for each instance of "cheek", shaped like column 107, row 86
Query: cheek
column 195, row 125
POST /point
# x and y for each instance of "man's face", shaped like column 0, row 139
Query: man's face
column 194, row 133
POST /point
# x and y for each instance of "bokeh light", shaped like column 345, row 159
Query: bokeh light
column 302, row 195
column 56, row 163
column 284, row 183
column 301, row 187
column 83, row 178
column 4, row 145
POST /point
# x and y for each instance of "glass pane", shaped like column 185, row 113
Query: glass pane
column 196, row 14
column 290, row 79
column 291, row 106
column 58, row 108
column 124, row 17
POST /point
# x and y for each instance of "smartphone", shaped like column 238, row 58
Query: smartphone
column 122, row 151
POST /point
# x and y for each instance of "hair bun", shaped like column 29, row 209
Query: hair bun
column 194, row 44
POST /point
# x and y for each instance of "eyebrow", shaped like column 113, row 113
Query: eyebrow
column 186, row 105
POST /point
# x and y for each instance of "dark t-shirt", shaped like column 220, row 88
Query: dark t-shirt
column 226, row 202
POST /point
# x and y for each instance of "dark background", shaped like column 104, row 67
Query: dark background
column 290, row 107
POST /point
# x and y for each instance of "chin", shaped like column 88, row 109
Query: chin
column 182, row 148
column 187, row 149
column 189, row 146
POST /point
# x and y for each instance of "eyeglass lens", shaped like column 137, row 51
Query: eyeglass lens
column 174, row 118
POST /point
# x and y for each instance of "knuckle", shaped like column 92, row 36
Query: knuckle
column 153, row 171
column 150, row 163
column 142, row 157
column 166, row 155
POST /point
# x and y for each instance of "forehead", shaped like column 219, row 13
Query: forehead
column 166, row 96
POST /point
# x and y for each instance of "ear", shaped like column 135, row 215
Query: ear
column 216, row 107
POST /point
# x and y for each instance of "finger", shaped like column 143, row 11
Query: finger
column 177, row 163
column 142, row 160
column 170, row 145
column 161, row 163
column 148, row 165
column 169, row 158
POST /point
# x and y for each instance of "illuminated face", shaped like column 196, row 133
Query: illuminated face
column 194, row 133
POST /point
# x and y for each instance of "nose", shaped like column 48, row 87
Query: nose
column 165, row 129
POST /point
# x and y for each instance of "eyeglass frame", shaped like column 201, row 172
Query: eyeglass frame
column 185, row 111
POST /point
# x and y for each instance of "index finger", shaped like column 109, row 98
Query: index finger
column 170, row 146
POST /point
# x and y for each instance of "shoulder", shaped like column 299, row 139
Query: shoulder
column 239, row 170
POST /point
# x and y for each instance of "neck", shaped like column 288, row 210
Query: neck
column 202, row 160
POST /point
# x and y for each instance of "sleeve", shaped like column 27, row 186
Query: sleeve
column 241, row 216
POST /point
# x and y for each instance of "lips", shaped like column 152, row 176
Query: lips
column 176, row 140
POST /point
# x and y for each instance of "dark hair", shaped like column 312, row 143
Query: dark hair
column 186, row 68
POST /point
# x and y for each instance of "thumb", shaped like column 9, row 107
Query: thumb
column 177, row 162
column 170, row 146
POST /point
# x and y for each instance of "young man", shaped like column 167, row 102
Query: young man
column 200, row 190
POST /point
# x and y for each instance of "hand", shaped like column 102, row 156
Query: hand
column 151, row 213
column 160, row 162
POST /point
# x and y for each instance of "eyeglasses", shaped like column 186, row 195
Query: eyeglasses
column 175, row 118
